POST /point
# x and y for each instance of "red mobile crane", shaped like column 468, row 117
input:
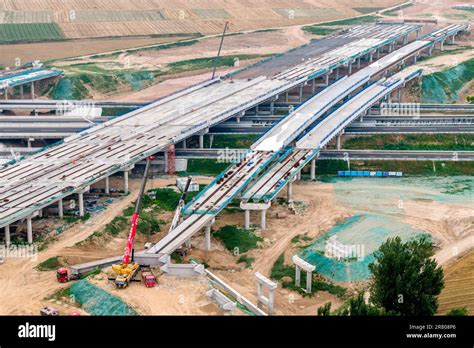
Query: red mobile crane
column 127, row 270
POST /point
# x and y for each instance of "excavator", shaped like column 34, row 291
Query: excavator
column 128, row 269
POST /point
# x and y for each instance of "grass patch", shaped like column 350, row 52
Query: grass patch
column 30, row 32
column 350, row 21
column 237, row 238
column 247, row 260
column 51, row 264
column 61, row 293
column 446, row 142
column 167, row 199
column 316, row 30
column 209, row 167
column 234, row 141
column 300, row 238
column 365, row 10
column 206, row 63
column 280, row 271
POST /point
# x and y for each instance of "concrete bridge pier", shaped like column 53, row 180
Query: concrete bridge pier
column 126, row 172
column 7, row 235
column 301, row 264
column 262, row 284
column 207, row 235
column 262, row 207
column 107, row 185
column 289, row 192
column 81, row 200
column 60, row 208
column 313, row 169
column 29, row 230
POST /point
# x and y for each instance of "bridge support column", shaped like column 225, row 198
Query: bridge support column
column 371, row 57
column 125, row 181
column 441, row 45
column 263, row 207
column 399, row 95
column 350, row 69
column 326, row 80
column 263, row 219
column 405, row 39
column 337, row 73
column 298, row 175
column 81, row 200
column 313, row 169
column 262, row 283
column 32, row 90
column 60, row 208
column 21, row 92
column 301, row 93
column 211, row 140
column 358, row 63
column 301, row 264
column 289, row 192
column 184, row 145
column 81, row 204
column 338, row 141
column 29, row 229
column 7, row 235
column 5, row 93
column 40, row 213
column 201, row 141
column 247, row 219
column 378, row 53
column 452, row 39
column 286, row 97
column 107, row 185
column 272, row 107
column 207, row 238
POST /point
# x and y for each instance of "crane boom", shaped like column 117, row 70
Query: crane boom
column 136, row 214
column 181, row 203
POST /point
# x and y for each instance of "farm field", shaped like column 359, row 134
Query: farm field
column 459, row 285
column 21, row 32
column 100, row 18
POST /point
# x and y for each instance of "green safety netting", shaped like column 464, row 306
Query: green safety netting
column 381, row 204
column 97, row 301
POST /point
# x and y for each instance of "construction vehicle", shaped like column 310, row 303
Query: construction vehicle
column 148, row 277
column 62, row 275
column 181, row 251
column 128, row 269
column 49, row 311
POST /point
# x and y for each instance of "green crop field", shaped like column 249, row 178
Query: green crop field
column 28, row 32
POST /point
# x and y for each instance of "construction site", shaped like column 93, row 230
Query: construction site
column 216, row 164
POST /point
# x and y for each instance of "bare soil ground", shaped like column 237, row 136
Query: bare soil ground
column 459, row 285
column 45, row 51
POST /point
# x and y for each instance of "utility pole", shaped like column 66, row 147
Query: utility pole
column 219, row 51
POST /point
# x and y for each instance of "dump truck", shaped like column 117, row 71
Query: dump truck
column 63, row 276
column 148, row 278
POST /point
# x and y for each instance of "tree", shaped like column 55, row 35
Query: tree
column 458, row 312
column 406, row 280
